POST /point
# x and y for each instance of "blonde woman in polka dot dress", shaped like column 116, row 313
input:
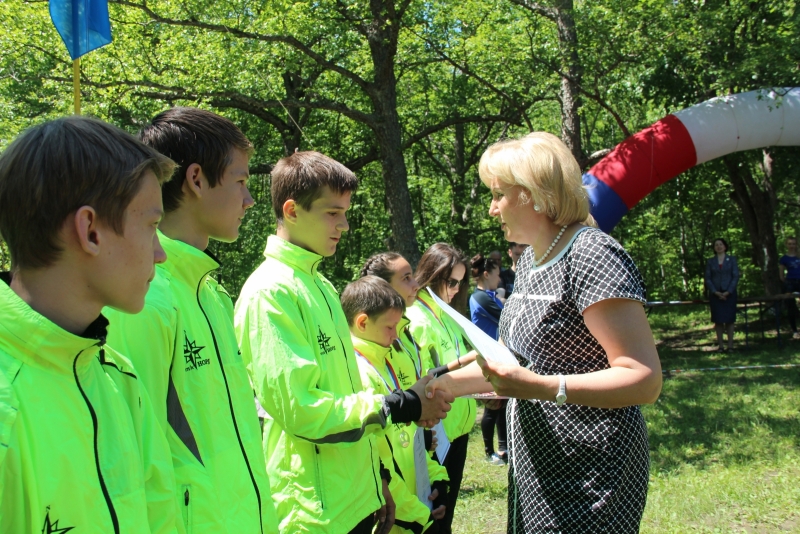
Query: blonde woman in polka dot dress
column 577, row 439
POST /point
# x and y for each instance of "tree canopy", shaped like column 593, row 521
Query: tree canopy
column 409, row 94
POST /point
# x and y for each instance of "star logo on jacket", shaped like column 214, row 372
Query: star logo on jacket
column 191, row 353
column 402, row 377
column 52, row 528
column 324, row 342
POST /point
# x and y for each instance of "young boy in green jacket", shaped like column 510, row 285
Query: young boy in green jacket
column 80, row 447
column 319, row 438
column 374, row 310
column 183, row 343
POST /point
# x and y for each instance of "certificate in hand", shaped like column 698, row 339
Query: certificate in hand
column 483, row 343
column 421, row 469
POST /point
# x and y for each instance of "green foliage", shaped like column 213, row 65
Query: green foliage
column 479, row 59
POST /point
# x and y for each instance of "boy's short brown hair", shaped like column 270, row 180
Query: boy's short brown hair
column 370, row 295
column 52, row 169
column 192, row 135
column 301, row 177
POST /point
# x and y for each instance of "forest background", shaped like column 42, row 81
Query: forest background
column 409, row 94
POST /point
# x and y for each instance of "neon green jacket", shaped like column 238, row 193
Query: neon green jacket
column 319, row 439
column 406, row 357
column 80, row 448
column 381, row 370
column 432, row 329
column 184, row 344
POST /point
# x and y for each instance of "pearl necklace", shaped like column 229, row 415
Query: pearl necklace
column 538, row 262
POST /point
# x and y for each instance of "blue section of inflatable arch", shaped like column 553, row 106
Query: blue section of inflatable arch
column 606, row 206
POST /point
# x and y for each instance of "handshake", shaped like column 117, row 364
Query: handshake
column 434, row 407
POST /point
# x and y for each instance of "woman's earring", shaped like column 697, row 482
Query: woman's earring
column 537, row 208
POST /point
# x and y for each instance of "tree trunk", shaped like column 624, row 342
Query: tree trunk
column 382, row 39
column 758, row 210
column 395, row 183
column 570, row 79
column 458, row 176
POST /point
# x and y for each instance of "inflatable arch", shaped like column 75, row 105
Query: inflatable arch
column 687, row 138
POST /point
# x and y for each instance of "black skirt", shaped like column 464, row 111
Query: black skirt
column 723, row 311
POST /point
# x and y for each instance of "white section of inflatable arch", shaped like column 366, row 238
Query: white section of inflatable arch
column 743, row 122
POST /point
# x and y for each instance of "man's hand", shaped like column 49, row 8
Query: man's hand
column 437, row 513
column 385, row 515
column 437, row 405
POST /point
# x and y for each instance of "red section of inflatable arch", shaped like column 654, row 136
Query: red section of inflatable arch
column 647, row 159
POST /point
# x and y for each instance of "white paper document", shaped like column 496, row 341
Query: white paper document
column 443, row 444
column 421, row 468
column 480, row 340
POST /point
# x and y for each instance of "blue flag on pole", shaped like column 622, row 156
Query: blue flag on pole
column 82, row 24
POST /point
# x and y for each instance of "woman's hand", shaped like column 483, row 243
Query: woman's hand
column 460, row 382
column 516, row 381
column 720, row 295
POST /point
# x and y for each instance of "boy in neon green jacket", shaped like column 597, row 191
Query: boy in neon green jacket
column 374, row 310
column 319, row 437
column 80, row 447
column 183, row 342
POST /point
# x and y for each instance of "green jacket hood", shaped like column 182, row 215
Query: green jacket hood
column 375, row 353
column 292, row 255
column 33, row 337
column 186, row 261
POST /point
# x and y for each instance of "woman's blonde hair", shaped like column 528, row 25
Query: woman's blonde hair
column 542, row 165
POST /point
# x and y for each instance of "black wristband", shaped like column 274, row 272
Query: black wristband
column 440, row 499
column 439, row 371
column 385, row 474
column 404, row 406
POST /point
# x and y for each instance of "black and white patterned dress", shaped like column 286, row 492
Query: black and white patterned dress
column 573, row 468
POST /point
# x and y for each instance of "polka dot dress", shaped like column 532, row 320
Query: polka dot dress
column 573, row 468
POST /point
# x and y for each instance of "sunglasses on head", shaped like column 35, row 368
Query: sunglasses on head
column 453, row 283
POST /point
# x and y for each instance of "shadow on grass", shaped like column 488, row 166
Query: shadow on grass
column 725, row 418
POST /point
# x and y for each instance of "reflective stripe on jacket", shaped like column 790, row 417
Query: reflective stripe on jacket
column 397, row 444
column 319, row 438
column 185, row 345
column 80, row 448
column 433, row 330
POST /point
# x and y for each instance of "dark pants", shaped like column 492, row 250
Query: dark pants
column 791, row 286
column 454, row 464
column 490, row 419
column 366, row 526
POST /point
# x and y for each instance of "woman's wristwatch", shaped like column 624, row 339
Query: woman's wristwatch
column 561, row 396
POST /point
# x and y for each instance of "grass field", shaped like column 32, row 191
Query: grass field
column 724, row 445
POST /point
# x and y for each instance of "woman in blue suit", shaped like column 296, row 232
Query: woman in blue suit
column 722, row 275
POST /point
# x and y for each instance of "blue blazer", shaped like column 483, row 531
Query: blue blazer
column 724, row 279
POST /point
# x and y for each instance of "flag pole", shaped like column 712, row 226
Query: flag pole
column 76, row 85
